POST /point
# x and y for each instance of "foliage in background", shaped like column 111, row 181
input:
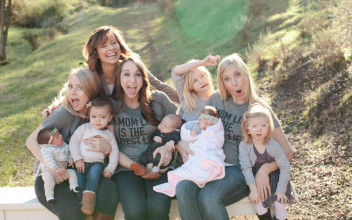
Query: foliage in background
column 299, row 53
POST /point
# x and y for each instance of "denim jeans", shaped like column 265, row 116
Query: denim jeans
column 68, row 205
column 210, row 202
column 138, row 199
column 89, row 180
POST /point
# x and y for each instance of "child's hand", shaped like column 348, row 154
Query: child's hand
column 254, row 195
column 60, row 171
column 80, row 166
column 70, row 163
column 211, row 60
column 107, row 173
column 281, row 197
column 170, row 145
column 158, row 139
column 194, row 133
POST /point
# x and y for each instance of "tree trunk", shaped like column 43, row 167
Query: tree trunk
column 5, row 13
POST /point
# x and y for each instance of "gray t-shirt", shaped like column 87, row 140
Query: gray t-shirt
column 231, row 114
column 64, row 122
column 132, row 130
column 179, row 81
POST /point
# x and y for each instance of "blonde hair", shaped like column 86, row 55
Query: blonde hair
column 190, row 97
column 256, row 110
column 250, row 90
column 91, row 86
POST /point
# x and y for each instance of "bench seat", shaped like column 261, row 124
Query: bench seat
column 21, row 203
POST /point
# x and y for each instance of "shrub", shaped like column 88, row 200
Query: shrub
column 37, row 13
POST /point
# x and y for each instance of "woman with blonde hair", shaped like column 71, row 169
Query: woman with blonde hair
column 236, row 92
column 83, row 85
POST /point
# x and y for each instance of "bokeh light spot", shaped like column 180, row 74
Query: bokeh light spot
column 213, row 21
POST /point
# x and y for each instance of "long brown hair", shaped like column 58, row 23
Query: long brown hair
column 98, row 37
column 144, row 94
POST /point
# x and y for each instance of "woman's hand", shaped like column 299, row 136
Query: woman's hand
column 165, row 155
column 99, row 144
column 182, row 147
column 262, row 182
column 46, row 112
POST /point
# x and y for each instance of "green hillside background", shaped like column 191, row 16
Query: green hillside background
column 299, row 53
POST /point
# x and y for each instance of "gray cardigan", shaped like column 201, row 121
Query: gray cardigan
column 247, row 159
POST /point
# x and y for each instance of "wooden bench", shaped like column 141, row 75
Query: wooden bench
column 21, row 203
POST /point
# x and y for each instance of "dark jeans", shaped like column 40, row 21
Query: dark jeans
column 138, row 199
column 210, row 202
column 68, row 205
column 89, row 180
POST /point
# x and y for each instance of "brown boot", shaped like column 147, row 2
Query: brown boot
column 88, row 202
column 101, row 216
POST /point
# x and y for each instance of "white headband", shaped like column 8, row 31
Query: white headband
column 211, row 118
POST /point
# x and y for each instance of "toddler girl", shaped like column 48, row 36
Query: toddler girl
column 207, row 163
column 88, row 161
column 193, row 84
column 258, row 148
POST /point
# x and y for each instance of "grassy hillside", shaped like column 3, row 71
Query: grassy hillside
column 299, row 53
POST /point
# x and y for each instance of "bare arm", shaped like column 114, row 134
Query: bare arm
column 170, row 92
column 33, row 145
column 187, row 67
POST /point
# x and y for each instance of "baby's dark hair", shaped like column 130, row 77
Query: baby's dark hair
column 100, row 102
column 210, row 110
column 176, row 119
column 44, row 135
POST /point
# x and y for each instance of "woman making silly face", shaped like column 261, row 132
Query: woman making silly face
column 138, row 113
column 82, row 86
column 131, row 81
column 105, row 49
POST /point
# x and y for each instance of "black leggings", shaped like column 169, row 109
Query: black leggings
column 68, row 205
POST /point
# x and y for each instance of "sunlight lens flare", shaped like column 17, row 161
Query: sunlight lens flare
column 213, row 21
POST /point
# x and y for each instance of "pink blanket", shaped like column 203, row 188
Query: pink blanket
column 207, row 163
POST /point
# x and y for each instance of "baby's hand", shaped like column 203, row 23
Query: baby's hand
column 60, row 171
column 170, row 145
column 80, row 166
column 194, row 133
column 70, row 163
column 107, row 173
column 254, row 196
column 281, row 197
column 158, row 139
column 211, row 60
